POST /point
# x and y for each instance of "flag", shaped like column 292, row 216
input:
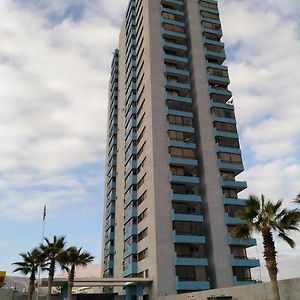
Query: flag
column 44, row 213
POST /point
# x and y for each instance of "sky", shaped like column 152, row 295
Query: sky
column 54, row 68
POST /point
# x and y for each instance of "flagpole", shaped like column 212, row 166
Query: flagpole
column 43, row 236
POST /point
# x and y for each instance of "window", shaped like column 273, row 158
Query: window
column 222, row 112
column 188, row 250
column 187, row 208
column 173, row 28
column 230, row 157
column 227, row 175
column 188, row 228
column 225, row 126
column 209, row 5
column 142, row 216
column 142, row 234
column 141, row 182
column 182, row 121
column 142, row 255
column 209, row 15
column 227, row 142
column 191, row 273
column 183, row 152
column 230, row 193
column 142, row 198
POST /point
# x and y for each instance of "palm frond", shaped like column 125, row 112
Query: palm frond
column 287, row 239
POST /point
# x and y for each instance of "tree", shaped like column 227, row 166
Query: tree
column 51, row 252
column 267, row 218
column 69, row 260
column 30, row 264
column 297, row 200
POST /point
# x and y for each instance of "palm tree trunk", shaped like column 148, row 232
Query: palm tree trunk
column 50, row 279
column 31, row 286
column 271, row 263
column 71, row 282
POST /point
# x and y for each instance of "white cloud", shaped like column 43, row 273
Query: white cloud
column 53, row 101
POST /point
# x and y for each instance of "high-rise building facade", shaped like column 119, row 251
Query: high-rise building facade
column 173, row 154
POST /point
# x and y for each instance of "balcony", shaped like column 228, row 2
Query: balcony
column 132, row 249
column 228, row 134
column 132, row 110
column 219, row 56
column 130, row 196
column 190, row 261
column 130, row 181
column 180, row 113
column 173, row 84
column 209, row 10
column 177, row 98
column 130, row 166
column 244, row 262
column 220, row 91
column 216, row 66
column 131, row 214
column 109, row 236
column 172, row 22
column 108, row 265
column 226, row 166
column 130, row 137
column 176, row 4
column 173, row 34
column 108, row 251
column 181, row 144
column 242, row 242
column 131, row 231
column 234, row 201
column 188, row 239
column 242, row 281
column 192, row 285
column 130, row 269
column 109, row 223
column 110, row 186
column 238, row 185
column 177, row 72
column 186, row 217
column 228, row 149
column 110, row 198
column 181, row 161
column 175, row 58
column 185, row 197
column 221, row 105
column 180, row 128
column 223, row 120
column 233, row 220
column 172, row 11
column 184, row 179
column 218, row 79
column 218, row 33
column 174, row 46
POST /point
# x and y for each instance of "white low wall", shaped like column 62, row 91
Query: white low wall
column 289, row 290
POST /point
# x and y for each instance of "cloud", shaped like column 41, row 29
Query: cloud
column 54, row 77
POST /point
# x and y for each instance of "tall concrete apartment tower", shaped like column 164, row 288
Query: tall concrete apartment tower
column 173, row 154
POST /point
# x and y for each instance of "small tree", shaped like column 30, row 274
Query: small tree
column 267, row 218
column 51, row 252
column 30, row 264
column 69, row 260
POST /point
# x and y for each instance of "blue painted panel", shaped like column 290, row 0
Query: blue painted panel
column 175, row 58
column 238, row 168
column 234, row 201
column 130, row 250
column 233, row 220
column 172, row 11
column 223, row 92
column 244, row 262
column 237, row 282
column 226, row 134
column 190, row 261
column 239, row 185
column 173, row 34
column 185, row 197
column 242, row 242
column 216, row 66
column 177, row 85
column 131, row 269
column 209, row 10
column 187, row 217
column 172, row 22
column 180, row 128
column 181, row 113
column 192, row 285
column 182, row 161
column 222, row 119
column 130, row 196
column 188, row 238
column 174, row 46
column 132, row 214
column 181, row 144
column 212, row 31
column 184, row 179
column 221, row 105
column 176, row 71
column 178, row 98
column 131, row 231
column 218, row 79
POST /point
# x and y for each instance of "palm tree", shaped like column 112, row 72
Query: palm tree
column 297, row 200
column 267, row 218
column 69, row 260
column 51, row 252
column 30, row 264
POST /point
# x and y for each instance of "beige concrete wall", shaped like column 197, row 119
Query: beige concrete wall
column 289, row 290
column 216, row 230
